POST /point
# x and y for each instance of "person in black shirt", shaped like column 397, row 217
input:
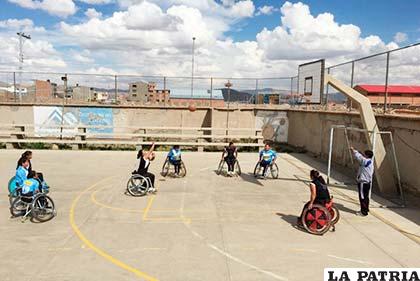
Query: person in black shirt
column 230, row 158
column 319, row 192
column 145, row 159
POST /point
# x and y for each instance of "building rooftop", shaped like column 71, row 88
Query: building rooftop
column 392, row 89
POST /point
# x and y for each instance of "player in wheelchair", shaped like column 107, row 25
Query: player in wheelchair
column 230, row 157
column 174, row 159
column 319, row 214
column 33, row 200
column 142, row 181
column 266, row 162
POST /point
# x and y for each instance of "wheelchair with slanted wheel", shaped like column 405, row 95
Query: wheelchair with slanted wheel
column 223, row 168
column 320, row 218
column 138, row 185
column 168, row 169
column 272, row 169
column 39, row 205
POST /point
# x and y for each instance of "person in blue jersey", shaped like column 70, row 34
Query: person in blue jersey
column 267, row 157
column 31, row 185
column 28, row 154
column 174, row 157
column 364, row 178
column 22, row 171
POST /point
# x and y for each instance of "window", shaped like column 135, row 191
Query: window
column 134, row 90
column 134, row 86
column 134, row 95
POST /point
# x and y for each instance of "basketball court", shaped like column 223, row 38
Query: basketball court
column 201, row 227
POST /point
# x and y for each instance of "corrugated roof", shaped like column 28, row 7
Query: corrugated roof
column 392, row 89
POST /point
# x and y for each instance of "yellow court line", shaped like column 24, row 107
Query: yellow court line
column 97, row 250
column 149, row 204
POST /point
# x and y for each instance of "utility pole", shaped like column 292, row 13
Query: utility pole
column 192, row 68
column 22, row 37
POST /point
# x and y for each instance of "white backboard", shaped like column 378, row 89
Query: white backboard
column 311, row 81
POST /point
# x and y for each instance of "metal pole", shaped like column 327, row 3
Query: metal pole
column 192, row 68
column 350, row 102
column 211, row 91
column 330, row 154
column 328, row 90
column 291, row 91
column 64, row 99
column 256, row 91
column 397, row 168
column 116, row 88
column 14, row 85
column 164, row 82
column 386, row 82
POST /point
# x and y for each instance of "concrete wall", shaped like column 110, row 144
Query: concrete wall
column 311, row 130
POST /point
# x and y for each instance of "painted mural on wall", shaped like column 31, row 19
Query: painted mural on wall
column 274, row 125
column 97, row 117
column 47, row 120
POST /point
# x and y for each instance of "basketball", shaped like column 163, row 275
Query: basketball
column 192, row 107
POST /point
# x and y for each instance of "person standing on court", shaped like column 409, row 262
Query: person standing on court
column 364, row 178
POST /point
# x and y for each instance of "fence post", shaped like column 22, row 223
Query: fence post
column 14, row 86
column 386, row 82
column 350, row 101
column 211, row 91
column 328, row 88
column 116, row 88
column 256, row 91
column 164, row 83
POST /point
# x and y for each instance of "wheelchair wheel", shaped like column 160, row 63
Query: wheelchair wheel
column 220, row 167
column 274, row 169
column 11, row 185
column 43, row 208
column 237, row 168
column 335, row 215
column 165, row 168
column 137, row 185
column 182, row 170
column 257, row 170
column 18, row 207
column 316, row 220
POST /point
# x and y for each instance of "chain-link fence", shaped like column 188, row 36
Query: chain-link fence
column 378, row 76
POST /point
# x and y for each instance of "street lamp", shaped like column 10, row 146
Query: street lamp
column 228, row 85
column 22, row 36
column 192, row 68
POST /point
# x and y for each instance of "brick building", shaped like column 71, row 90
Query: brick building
column 397, row 94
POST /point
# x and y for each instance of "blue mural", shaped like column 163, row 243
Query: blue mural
column 97, row 117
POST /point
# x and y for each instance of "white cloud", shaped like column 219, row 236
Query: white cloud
column 96, row 2
column 400, row 37
column 92, row 13
column 60, row 8
column 266, row 10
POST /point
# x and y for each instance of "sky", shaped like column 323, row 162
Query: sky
column 234, row 38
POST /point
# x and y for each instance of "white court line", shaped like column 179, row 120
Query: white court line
column 347, row 259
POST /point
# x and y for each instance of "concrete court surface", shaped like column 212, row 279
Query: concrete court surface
column 202, row 227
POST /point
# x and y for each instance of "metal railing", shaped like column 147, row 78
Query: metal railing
column 398, row 66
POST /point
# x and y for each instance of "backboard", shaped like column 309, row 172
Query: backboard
column 311, row 81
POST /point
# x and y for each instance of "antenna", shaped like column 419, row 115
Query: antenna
column 22, row 37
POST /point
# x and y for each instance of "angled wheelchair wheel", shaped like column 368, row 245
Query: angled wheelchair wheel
column 335, row 215
column 11, row 185
column 43, row 208
column 220, row 167
column 137, row 185
column 18, row 207
column 257, row 170
column 165, row 168
column 237, row 168
column 316, row 220
column 274, row 169
column 182, row 170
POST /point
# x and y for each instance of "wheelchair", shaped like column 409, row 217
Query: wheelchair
column 138, row 185
column 39, row 206
column 169, row 169
column 223, row 167
column 320, row 218
column 272, row 168
column 15, row 191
